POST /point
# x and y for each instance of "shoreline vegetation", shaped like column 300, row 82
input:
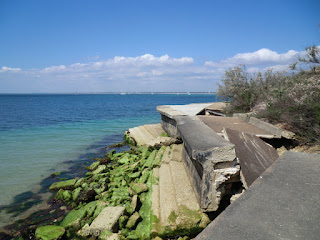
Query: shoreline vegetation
column 291, row 101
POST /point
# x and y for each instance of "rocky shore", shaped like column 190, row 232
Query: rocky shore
column 170, row 183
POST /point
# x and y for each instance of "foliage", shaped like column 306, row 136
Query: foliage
column 292, row 100
column 312, row 58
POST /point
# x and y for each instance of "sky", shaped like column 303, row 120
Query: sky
column 56, row 46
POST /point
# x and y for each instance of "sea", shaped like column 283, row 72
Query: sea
column 42, row 134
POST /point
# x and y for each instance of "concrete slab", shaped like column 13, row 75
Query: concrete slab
column 106, row 220
column 217, row 106
column 204, row 152
column 282, row 204
column 170, row 112
column 218, row 123
column 167, row 194
column 254, row 155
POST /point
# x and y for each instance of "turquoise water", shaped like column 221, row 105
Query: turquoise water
column 42, row 134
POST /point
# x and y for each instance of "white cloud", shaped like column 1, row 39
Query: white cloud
column 7, row 69
column 263, row 56
column 141, row 73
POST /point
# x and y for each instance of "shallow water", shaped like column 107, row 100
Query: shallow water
column 42, row 134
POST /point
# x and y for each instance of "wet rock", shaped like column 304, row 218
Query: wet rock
column 87, row 196
column 138, row 188
column 133, row 220
column 68, row 184
column 49, row 232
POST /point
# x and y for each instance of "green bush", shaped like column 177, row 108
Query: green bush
column 292, row 100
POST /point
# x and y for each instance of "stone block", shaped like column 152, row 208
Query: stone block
column 106, row 220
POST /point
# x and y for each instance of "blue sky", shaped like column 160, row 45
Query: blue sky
column 102, row 46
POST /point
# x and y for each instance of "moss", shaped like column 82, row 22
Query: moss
column 172, row 217
column 145, row 176
column 100, row 169
column 128, row 139
column 134, row 175
column 149, row 161
column 159, row 156
column 69, row 184
column 138, row 188
column 67, row 195
column 144, row 227
column 164, row 134
column 73, row 218
column 93, row 166
column 49, row 232
column 123, row 221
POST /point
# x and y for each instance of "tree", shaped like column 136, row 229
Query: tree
column 312, row 58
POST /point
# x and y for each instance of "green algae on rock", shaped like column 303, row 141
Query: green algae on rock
column 134, row 218
column 50, row 232
column 68, row 184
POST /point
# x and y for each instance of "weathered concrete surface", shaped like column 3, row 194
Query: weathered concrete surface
column 282, row 204
column 177, row 205
column 210, row 160
column 254, row 155
column 218, row 123
column 150, row 135
column 106, row 220
column 266, row 126
column 216, row 109
column 170, row 112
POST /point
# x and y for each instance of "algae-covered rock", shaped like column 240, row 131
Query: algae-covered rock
column 73, row 218
column 123, row 221
column 138, row 188
column 49, row 232
column 67, row 195
column 133, row 205
column 107, row 235
column 94, row 166
column 68, row 184
column 145, row 176
column 79, row 183
column 100, row 169
column 133, row 220
column 124, row 160
column 75, row 193
column 134, row 175
column 149, row 161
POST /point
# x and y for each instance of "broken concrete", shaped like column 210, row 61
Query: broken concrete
column 106, row 220
column 217, row 124
column 170, row 112
column 216, row 109
column 149, row 135
column 281, row 204
column 210, row 160
column 266, row 126
column 254, row 155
